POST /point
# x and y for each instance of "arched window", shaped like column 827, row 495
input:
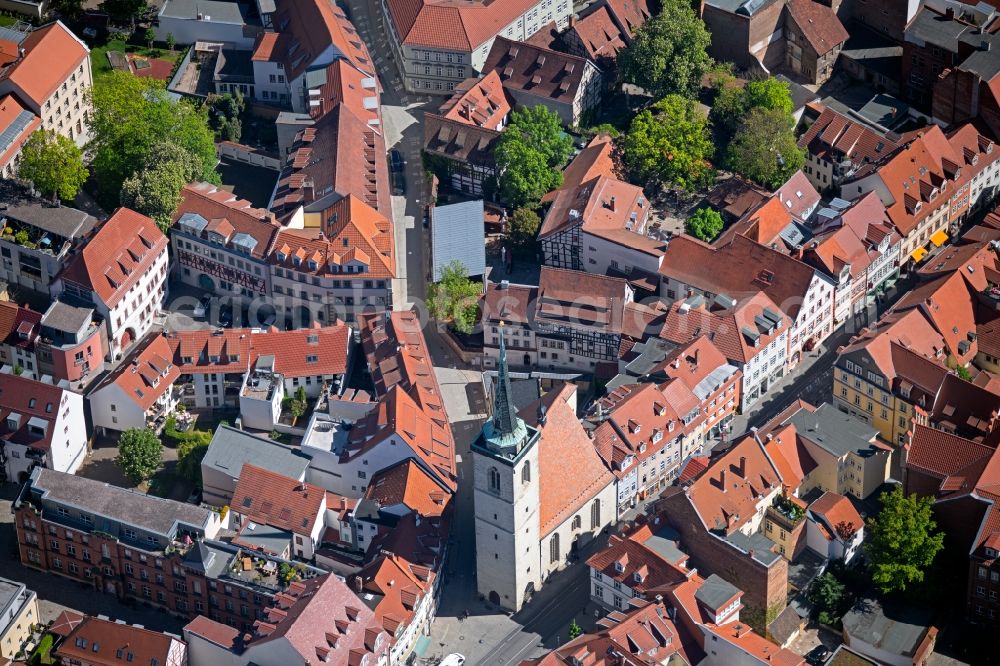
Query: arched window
column 577, row 523
column 526, row 472
column 595, row 514
column 554, row 548
column 494, row 480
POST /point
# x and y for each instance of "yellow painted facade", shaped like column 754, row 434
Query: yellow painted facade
column 19, row 628
column 887, row 413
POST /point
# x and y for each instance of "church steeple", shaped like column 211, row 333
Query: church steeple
column 504, row 414
column 505, row 433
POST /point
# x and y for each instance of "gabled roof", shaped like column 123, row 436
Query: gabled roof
column 459, row 141
column 542, row 72
column 324, row 622
column 117, row 256
column 99, row 641
column 304, row 352
column 834, row 510
column 481, row 102
column 395, row 587
column 269, row 498
column 17, row 123
column 353, row 234
column 623, row 558
column 52, row 54
column 457, row 26
column 727, row 494
column 145, row 374
column 209, row 202
column 739, row 268
column 563, row 446
column 599, row 35
column 819, row 24
column 406, row 484
column 834, row 136
column 28, row 411
column 630, row 15
column 309, row 30
column 949, row 304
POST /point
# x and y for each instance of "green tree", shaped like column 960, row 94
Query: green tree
column 150, row 36
column 131, row 115
column 574, row 629
column 669, row 142
column 155, row 190
column 190, row 453
column 139, row 454
column 454, row 298
column 296, row 408
column 733, row 103
column 705, row 224
column 903, row 541
column 171, row 41
column 528, row 154
column 764, row 148
column 224, row 115
column 53, row 163
column 69, row 8
column 669, row 53
column 524, row 225
column 124, row 10
column 828, row 594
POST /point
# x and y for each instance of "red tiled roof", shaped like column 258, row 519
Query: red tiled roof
column 145, row 374
column 819, row 24
column 306, row 30
column 599, row 35
column 353, row 234
column 544, row 73
column 630, row 14
column 212, row 203
column 942, row 454
column 597, row 159
column 280, row 501
column 99, row 642
column 834, row 136
column 215, row 632
column 407, row 484
column 458, row 26
column 632, row 557
column 949, row 303
column 399, row 584
column 740, row 268
column 65, row 622
column 971, row 260
column 727, row 329
column 835, row 509
column 480, row 102
column 18, row 325
column 52, row 54
column 121, row 251
column 727, row 494
column 31, row 399
column 322, row 620
column 798, row 195
column 304, row 352
column 563, row 445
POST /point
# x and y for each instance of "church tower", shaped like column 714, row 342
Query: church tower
column 505, row 465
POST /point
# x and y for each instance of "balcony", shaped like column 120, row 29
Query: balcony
column 786, row 511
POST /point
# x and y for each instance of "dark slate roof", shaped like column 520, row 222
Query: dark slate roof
column 18, row 204
column 231, row 448
column 128, row 507
column 833, row 430
column 716, row 592
column 897, row 629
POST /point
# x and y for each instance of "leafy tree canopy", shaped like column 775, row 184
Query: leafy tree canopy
column 224, row 115
column 529, row 153
column 53, row 163
column 669, row 54
column 139, row 454
column 669, row 142
column 524, row 225
column 705, row 224
column 903, row 541
column 764, row 148
column 733, row 103
column 132, row 115
column 155, row 190
column 454, row 298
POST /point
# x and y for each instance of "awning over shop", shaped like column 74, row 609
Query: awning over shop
column 939, row 237
column 919, row 254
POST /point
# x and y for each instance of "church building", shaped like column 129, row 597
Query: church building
column 541, row 491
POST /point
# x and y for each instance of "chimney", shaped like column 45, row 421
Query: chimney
column 357, row 584
column 696, row 356
column 949, row 13
column 611, row 203
column 541, row 415
column 743, row 467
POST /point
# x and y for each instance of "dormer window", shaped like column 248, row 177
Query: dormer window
column 619, row 567
column 991, row 552
column 637, row 577
column 312, row 265
column 296, row 261
column 281, row 257
column 657, row 436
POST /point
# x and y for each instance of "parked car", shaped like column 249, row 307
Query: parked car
column 818, row 655
column 453, row 659
column 396, row 160
column 427, row 216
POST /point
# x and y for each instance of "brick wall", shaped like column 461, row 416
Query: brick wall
column 114, row 568
column 763, row 587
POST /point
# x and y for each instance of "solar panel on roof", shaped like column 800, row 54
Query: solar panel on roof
column 14, row 130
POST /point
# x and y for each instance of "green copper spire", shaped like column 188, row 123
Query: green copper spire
column 505, row 430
